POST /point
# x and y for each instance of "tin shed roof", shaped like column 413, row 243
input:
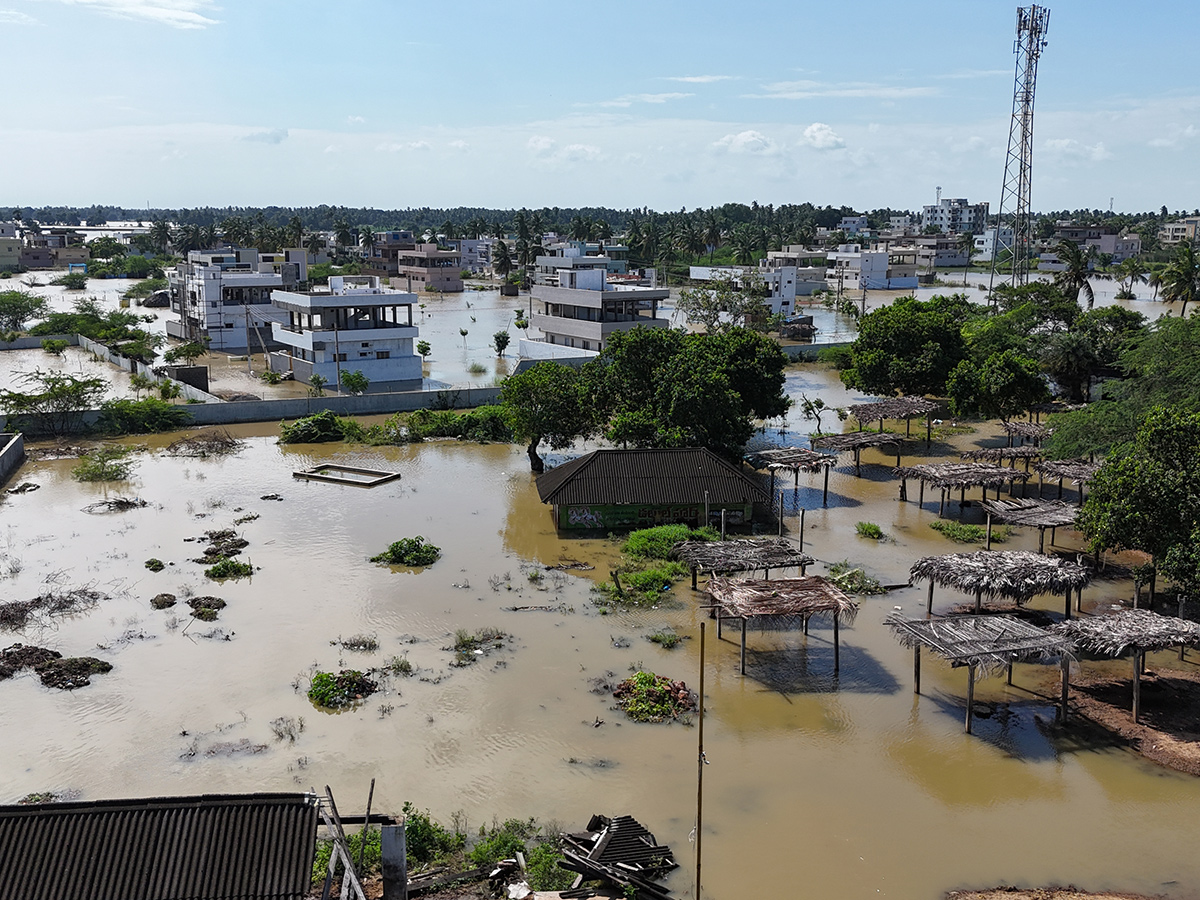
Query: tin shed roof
column 651, row 477
column 210, row 847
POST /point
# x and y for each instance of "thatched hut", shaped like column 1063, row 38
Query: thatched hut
column 741, row 555
column 1015, row 575
column 983, row 644
column 1139, row 630
column 790, row 598
column 905, row 408
column 1026, row 431
column 797, row 459
column 1004, row 454
column 948, row 476
column 856, row 441
column 1078, row 471
column 1039, row 514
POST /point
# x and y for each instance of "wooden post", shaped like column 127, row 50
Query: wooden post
column 978, row 602
column 1060, row 481
column 903, row 488
column 825, row 492
column 928, row 428
column 989, row 531
column 394, row 862
column 1062, row 700
column 718, row 624
column 1042, row 540
column 917, row 669
column 362, row 840
column 1009, row 675
column 970, row 697
column 942, row 503
column 743, row 658
column 693, row 578
column 908, row 427
column 921, row 494
column 1053, row 531
column 722, row 523
column 1067, row 610
column 780, row 513
column 772, row 481
column 1079, row 599
column 802, row 531
column 1137, row 685
column 857, row 462
column 837, row 650
column 929, row 601
column 700, row 760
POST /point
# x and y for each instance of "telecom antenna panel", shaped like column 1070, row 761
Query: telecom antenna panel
column 1032, row 24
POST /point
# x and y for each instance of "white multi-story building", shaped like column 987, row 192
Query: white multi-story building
column 475, row 253
column 955, row 216
column 581, row 308
column 852, row 225
column 985, row 244
column 8, row 229
column 781, row 282
column 224, row 296
column 853, row 268
column 354, row 325
column 1176, row 232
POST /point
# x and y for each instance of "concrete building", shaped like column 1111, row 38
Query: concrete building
column 955, row 216
column 811, row 266
column 938, row 251
column 8, row 230
column 475, row 254
column 425, row 267
column 10, row 249
column 37, row 257
column 779, row 282
column 225, row 295
column 853, row 225
column 1177, row 232
column 614, row 256
column 353, row 325
column 383, row 259
column 985, row 244
column 583, row 309
column 853, row 268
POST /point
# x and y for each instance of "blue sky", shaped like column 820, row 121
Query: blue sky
column 390, row 103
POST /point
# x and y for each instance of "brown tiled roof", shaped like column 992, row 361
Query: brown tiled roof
column 211, row 847
column 651, row 477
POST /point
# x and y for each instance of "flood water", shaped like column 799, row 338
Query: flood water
column 850, row 786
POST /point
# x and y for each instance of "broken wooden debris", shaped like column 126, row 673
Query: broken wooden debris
column 620, row 851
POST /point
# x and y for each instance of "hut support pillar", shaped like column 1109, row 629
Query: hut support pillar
column 825, row 490
column 989, row 531
column 1053, row 532
column 780, row 513
column 837, row 648
column 1067, row 610
column 772, row 482
column 857, row 462
column 917, row 669
column 929, row 600
column 1065, row 687
column 693, row 578
column 722, row 523
column 1008, row 675
column 928, row 428
column 1079, row 599
column 802, row 536
column 718, row 624
column 979, row 602
column 742, row 661
column 942, row 503
column 1041, row 540
column 921, row 494
column 1060, row 481
column 1137, row 685
column 970, row 697
column 903, row 489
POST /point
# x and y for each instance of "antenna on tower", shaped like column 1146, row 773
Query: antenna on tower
column 1032, row 24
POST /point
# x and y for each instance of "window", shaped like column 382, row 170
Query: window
column 366, row 344
column 383, row 354
column 339, row 357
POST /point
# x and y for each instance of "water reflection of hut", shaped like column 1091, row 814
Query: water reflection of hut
column 1039, row 514
column 948, row 476
column 1139, row 630
column 1078, row 471
column 798, row 459
column 1016, row 575
column 742, row 555
column 906, row 408
column 855, row 441
column 790, row 598
column 985, row 644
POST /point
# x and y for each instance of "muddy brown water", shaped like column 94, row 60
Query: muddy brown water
column 851, row 788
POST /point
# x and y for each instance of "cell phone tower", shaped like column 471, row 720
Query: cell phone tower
column 1032, row 24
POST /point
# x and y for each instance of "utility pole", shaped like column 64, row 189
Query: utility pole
column 700, row 762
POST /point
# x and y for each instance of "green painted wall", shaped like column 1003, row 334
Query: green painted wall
column 595, row 516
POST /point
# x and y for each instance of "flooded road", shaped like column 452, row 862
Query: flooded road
column 853, row 787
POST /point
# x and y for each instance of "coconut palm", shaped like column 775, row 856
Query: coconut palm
column 501, row 261
column 966, row 245
column 160, row 235
column 314, row 244
column 712, row 233
column 366, row 239
column 603, row 230
column 1130, row 271
column 343, row 234
column 1181, row 277
column 1073, row 279
column 744, row 243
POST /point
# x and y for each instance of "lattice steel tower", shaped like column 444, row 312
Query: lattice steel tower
column 1032, row 24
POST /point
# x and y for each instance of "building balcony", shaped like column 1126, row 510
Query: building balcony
column 309, row 340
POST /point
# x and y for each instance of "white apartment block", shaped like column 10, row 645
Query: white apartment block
column 955, row 216
column 581, row 309
column 986, row 244
column 852, row 225
column 1176, row 232
column 853, row 268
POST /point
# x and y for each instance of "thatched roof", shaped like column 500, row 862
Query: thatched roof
column 892, row 408
column 856, row 440
column 742, row 555
column 1016, row 575
column 1037, row 513
column 1131, row 629
column 1078, row 471
column 801, row 597
column 1031, row 430
column 988, row 642
column 1002, row 453
column 955, row 475
column 799, row 459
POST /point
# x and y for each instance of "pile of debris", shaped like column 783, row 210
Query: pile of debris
column 619, row 851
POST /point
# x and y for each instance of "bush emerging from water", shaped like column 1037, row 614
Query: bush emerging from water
column 853, row 580
column 228, row 568
column 147, row 416
column 340, row 690
column 646, row 697
column 415, row 551
column 107, row 463
column 321, row 428
column 962, row 533
column 869, row 530
column 656, row 542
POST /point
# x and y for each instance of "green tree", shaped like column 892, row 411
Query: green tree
column 55, row 403
column 1130, row 271
column 106, row 248
column 500, row 340
column 424, row 349
column 1070, row 359
column 1181, row 278
column 966, row 246
column 18, row 307
column 1006, row 384
column 1073, row 279
column 501, row 260
column 355, row 382
column 546, row 403
column 908, row 347
column 316, row 385
column 187, row 353
column 705, row 303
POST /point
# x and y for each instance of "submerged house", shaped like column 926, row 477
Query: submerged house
column 641, row 488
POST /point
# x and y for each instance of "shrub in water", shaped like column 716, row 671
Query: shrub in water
column 340, row 690
column 228, row 568
column 869, row 530
column 656, row 542
column 108, row 463
column 413, row 551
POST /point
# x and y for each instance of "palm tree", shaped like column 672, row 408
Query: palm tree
column 188, row 238
column 651, row 239
column 1130, row 271
column 743, row 244
column 712, row 233
column 366, row 239
column 603, row 230
column 966, row 244
column 1154, row 279
column 160, row 234
column 343, row 234
column 497, row 229
column 1073, row 279
column 1181, row 277
column 501, row 261
column 314, row 244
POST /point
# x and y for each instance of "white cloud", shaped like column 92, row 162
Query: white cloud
column 1175, row 136
column 630, row 99
column 459, row 145
column 13, row 17
column 977, row 73
column 175, row 13
column 805, row 90
column 274, row 136
column 579, row 153
column 331, row 149
column 747, row 142
column 1071, row 152
column 820, row 136
column 540, row 145
column 699, row 79
column 355, row 120
column 397, row 146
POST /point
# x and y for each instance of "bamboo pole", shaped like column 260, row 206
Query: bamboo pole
column 917, row 669
column 837, row 650
column 700, row 761
column 1137, row 685
column 742, row 662
column 1065, row 687
column 970, row 697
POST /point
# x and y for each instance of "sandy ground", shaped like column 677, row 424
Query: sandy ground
column 1067, row 893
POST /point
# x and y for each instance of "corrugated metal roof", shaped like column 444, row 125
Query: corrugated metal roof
column 210, row 847
column 651, row 477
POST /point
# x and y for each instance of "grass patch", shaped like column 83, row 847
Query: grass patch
column 950, row 429
column 341, row 690
column 668, row 640
column 962, row 533
column 646, row 697
column 399, row 665
column 869, row 530
column 469, row 646
column 206, row 608
column 853, row 580
column 502, row 841
column 477, row 368
column 154, row 564
column 228, row 568
column 643, row 586
column 656, row 542
column 542, row 871
column 108, row 463
column 359, row 643
column 414, row 551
